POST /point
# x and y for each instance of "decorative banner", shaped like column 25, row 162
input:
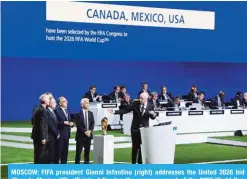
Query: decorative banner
column 129, row 15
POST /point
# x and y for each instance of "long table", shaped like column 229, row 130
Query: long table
column 100, row 110
column 192, row 122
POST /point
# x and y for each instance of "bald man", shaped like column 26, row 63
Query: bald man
column 64, row 125
column 142, row 112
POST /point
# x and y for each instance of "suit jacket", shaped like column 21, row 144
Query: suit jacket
column 215, row 103
column 139, row 120
column 121, row 95
column 40, row 124
column 196, row 100
column 80, row 125
column 32, row 119
column 244, row 103
column 140, row 92
column 112, row 95
column 162, row 97
column 191, row 96
column 234, row 102
column 89, row 96
column 52, row 126
column 64, row 130
column 157, row 102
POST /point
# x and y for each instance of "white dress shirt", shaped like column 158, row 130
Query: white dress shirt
column 66, row 114
column 144, row 108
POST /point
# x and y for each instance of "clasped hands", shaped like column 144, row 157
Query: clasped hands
column 68, row 123
column 88, row 133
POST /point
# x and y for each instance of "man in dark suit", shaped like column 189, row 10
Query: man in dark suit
column 122, row 92
column 144, row 89
column 164, row 95
column 126, row 102
column 115, row 94
column 154, row 100
column 92, row 95
column 142, row 111
column 245, row 100
column 64, row 125
column 40, row 130
column 199, row 99
column 53, row 133
column 50, row 96
column 217, row 101
column 193, row 93
column 176, row 103
column 237, row 100
column 84, row 134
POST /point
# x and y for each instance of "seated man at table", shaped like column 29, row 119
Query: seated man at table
column 154, row 100
column 122, row 92
column 217, row 101
column 245, row 100
column 237, row 101
column 145, row 89
column 126, row 102
column 193, row 93
column 200, row 99
column 115, row 94
column 92, row 95
column 176, row 104
column 164, row 95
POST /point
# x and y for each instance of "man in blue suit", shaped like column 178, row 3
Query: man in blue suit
column 64, row 125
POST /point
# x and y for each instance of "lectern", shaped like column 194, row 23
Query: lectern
column 103, row 149
column 158, row 144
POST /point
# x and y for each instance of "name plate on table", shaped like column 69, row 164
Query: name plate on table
column 216, row 112
column 109, row 105
column 195, row 113
column 237, row 111
column 174, row 113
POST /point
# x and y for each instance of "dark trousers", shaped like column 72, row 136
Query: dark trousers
column 62, row 151
column 51, row 146
column 80, row 144
column 40, row 152
column 136, row 146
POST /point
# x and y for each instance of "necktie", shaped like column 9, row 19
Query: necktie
column 155, row 105
column 86, row 123
column 142, row 109
column 66, row 113
column 53, row 113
